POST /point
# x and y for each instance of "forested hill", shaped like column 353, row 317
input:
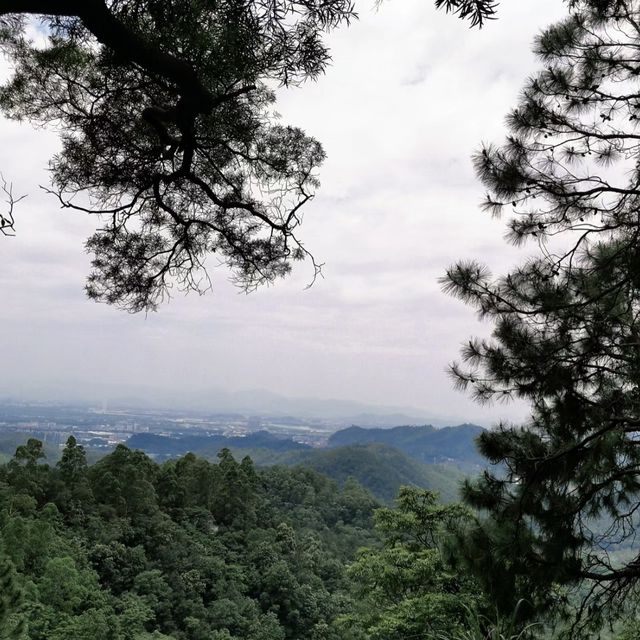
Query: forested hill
column 381, row 460
column 425, row 443
column 380, row 469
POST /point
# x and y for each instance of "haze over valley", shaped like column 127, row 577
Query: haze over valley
column 381, row 459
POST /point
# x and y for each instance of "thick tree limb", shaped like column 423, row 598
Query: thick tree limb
column 112, row 33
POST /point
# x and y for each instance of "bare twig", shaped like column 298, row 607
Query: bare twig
column 7, row 221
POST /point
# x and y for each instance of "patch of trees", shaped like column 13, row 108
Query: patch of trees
column 127, row 548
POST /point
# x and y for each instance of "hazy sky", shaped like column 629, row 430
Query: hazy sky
column 410, row 95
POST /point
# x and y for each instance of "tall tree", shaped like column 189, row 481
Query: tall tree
column 567, row 326
column 73, row 462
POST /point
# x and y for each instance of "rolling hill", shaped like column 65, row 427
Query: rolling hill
column 381, row 469
column 449, row 445
column 381, row 460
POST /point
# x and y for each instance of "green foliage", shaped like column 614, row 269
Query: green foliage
column 128, row 549
column 630, row 630
column 404, row 589
column 501, row 627
column 379, row 468
column 29, row 454
column 12, row 625
column 73, row 463
column 451, row 445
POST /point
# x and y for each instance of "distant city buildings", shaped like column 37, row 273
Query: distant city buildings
column 104, row 427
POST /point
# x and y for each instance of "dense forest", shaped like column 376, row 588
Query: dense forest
column 129, row 549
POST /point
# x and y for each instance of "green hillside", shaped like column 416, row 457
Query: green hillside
column 377, row 467
column 380, row 468
column 450, row 445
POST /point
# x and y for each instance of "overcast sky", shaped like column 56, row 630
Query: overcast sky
column 410, row 95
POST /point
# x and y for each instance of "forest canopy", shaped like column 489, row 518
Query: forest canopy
column 191, row 550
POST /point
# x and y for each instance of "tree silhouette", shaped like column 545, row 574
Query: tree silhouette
column 567, row 332
column 168, row 131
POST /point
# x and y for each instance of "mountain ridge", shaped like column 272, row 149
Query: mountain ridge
column 426, row 443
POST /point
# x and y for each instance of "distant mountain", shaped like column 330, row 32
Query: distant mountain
column 381, row 469
column 449, row 445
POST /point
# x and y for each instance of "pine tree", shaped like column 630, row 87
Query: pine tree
column 170, row 133
column 73, row 463
column 566, row 336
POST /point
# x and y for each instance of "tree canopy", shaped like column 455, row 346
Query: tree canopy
column 132, row 550
column 404, row 589
column 563, row 503
column 168, row 131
